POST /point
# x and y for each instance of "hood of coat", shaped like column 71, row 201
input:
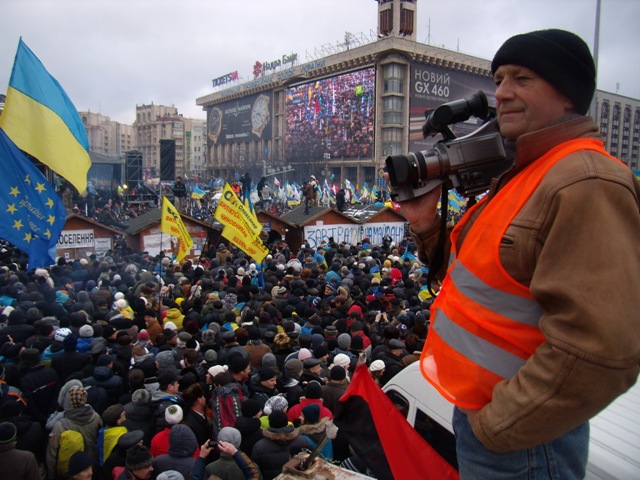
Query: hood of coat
column 281, row 435
column 182, row 441
column 314, row 428
column 102, row 373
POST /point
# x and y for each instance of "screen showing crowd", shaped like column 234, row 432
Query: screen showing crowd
column 331, row 118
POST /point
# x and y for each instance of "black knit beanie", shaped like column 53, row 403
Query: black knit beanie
column 562, row 58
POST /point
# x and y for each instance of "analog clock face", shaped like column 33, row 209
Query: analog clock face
column 260, row 113
column 215, row 119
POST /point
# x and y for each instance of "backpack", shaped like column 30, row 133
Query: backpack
column 70, row 442
column 225, row 406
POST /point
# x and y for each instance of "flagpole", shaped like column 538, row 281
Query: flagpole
column 596, row 48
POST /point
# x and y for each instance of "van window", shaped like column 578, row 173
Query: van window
column 441, row 439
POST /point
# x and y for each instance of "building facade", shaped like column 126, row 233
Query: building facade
column 341, row 115
column 105, row 136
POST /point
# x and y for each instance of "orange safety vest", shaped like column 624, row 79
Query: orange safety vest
column 484, row 323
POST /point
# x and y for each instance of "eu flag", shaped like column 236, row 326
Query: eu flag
column 33, row 214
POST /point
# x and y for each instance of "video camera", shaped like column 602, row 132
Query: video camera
column 466, row 163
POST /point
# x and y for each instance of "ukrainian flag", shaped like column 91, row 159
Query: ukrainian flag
column 40, row 119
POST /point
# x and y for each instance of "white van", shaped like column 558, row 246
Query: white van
column 614, row 450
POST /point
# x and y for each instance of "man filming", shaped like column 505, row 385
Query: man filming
column 535, row 329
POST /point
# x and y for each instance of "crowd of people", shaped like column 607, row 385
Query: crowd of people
column 216, row 368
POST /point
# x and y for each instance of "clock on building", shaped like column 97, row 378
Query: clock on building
column 215, row 124
column 260, row 114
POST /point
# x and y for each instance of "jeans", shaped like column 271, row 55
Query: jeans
column 564, row 458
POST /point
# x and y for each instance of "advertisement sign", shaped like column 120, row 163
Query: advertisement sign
column 331, row 118
column 352, row 234
column 242, row 120
column 432, row 86
column 76, row 239
column 229, row 77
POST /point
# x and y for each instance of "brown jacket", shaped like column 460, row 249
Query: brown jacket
column 575, row 245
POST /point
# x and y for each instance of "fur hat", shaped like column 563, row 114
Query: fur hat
column 142, row 396
column 29, row 357
column 562, row 58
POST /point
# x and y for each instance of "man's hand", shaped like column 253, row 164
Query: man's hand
column 420, row 212
column 228, row 448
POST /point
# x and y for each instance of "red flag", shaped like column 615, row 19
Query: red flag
column 408, row 455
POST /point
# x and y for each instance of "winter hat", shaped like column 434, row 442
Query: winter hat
column 267, row 374
column 77, row 397
column 250, row 407
column 138, row 457
column 395, row 344
column 165, row 359
column 344, row 341
column 141, row 396
column 210, row 355
column 342, row 360
column 278, row 419
column 173, row 414
column 217, row 369
column 143, row 336
column 311, row 413
column 310, row 363
column 269, row 360
column 86, row 331
column 119, row 296
column 313, row 390
column 274, row 404
column 231, row 435
column 170, row 475
column 170, row 326
column 320, row 351
column 376, row 366
column 238, row 363
column 79, row 462
column 293, row 367
column 8, row 433
column 562, row 58
column 70, row 343
column 111, row 415
column 338, row 373
column 61, row 334
column 304, row 353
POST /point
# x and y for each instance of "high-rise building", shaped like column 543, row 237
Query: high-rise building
column 159, row 122
column 105, row 136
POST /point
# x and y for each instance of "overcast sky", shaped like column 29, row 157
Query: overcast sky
column 111, row 55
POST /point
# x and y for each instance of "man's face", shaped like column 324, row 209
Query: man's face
column 143, row 473
column 86, row 474
column 525, row 102
column 173, row 388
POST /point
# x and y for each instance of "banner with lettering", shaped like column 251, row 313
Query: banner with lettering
column 172, row 224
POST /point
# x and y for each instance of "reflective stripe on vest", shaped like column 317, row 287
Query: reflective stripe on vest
column 484, row 324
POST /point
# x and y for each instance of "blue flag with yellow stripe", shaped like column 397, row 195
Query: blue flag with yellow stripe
column 33, row 214
column 41, row 120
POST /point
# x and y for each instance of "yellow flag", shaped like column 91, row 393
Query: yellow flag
column 172, row 224
column 232, row 204
column 241, row 226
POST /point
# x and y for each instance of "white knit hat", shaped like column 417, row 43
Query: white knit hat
column 173, row 414
column 376, row 366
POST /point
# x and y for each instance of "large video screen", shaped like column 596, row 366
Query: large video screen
column 331, row 118
column 431, row 86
